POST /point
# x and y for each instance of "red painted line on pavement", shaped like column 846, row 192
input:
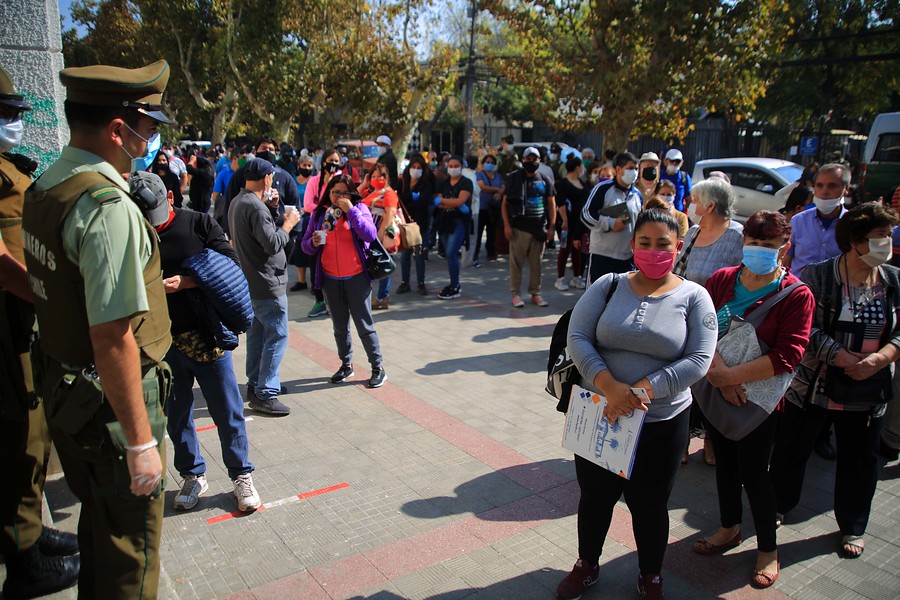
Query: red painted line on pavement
column 268, row 505
column 207, row 428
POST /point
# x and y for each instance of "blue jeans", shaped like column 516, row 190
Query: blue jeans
column 406, row 266
column 453, row 241
column 226, row 407
column 267, row 341
column 384, row 288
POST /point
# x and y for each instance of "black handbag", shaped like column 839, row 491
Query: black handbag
column 379, row 262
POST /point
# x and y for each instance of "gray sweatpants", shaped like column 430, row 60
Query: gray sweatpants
column 352, row 298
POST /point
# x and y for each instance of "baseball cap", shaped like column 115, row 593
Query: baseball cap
column 531, row 151
column 651, row 156
column 588, row 151
column 149, row 193
column 674, row 154
column 383, row 139
column 257, row 169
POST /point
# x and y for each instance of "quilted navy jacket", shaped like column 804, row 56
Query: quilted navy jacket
column 225, row 306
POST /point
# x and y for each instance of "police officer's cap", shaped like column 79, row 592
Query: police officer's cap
column 103, row 85
column 8, row 95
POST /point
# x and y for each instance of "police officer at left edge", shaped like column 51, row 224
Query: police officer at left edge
column 37, row 558
column 94, row 268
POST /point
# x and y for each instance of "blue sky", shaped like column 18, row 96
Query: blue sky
column 64, row 6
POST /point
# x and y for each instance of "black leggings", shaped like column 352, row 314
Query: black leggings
column 745, row 464
column 646, row 494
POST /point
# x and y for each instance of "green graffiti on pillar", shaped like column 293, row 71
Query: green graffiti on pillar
column 45, row 158
column 42, row 113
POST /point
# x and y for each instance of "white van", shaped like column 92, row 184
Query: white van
column 880, row 172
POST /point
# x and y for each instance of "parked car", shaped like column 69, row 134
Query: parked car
column 755, row 180
column 880, row 172
column 361, row 154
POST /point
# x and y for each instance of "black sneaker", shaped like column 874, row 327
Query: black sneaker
column 32, row 573
column 404, row 288
column 272, row 407
column 377, row 379
column 342, row 374
column 53, row 542
column 577, row 581
column 448, row 293
column 421, row 290
column 299, row 287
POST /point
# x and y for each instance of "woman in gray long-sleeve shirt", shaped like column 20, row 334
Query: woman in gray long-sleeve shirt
column 657, row 332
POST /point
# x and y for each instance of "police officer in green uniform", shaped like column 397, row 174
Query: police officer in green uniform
column 94, row 269
column 36, row 556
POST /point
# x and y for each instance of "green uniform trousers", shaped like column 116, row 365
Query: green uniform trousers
column 118, row 533
column 24, row 441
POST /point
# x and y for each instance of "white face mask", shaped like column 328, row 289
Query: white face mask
column 594, row 178
column 670, row 200
column 629, row 176
column 879, row 252
column 454, row 171
column 554, row 156
column 415, row 173
column 692, row 214
column 826, row 207
column 10, row 133
column 671, row 169
column 381, row 150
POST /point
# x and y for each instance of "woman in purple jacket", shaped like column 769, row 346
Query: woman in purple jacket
column 337, row 238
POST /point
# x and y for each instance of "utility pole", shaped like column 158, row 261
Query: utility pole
column 470, row 81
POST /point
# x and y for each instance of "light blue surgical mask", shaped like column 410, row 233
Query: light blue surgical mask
column 760, row 260
column 10, row 133
column 489, row 167
column 143, row 163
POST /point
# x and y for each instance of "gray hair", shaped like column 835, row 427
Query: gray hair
column 838, row 169
column 717, row 192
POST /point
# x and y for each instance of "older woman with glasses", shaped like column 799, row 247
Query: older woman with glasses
column 339, row 233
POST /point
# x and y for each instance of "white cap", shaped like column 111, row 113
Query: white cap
column 531, row 150
column 674, row 154
column 383, row 139
column 651, row 156
column 588, row 150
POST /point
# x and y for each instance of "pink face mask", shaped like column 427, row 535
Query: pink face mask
column 654, row 264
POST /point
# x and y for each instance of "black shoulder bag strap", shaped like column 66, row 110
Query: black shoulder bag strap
column 759, row 315
column 681, row 266
column 828, row 324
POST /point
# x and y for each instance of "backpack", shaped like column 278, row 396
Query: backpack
column 561, row 371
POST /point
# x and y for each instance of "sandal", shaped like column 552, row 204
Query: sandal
column 706, row 548
column 852, row 546
column 762, row 579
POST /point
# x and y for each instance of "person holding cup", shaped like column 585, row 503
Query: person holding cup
column 339, row 233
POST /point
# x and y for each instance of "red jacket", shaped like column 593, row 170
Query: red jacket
column 786, row 327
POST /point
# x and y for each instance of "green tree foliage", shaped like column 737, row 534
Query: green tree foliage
column 821, row 76
column 506, row 102
column 639, row 67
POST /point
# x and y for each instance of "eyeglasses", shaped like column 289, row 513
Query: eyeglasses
column 677, row 161
column 340, row 194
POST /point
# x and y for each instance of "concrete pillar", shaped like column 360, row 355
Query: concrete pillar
column 31, row 52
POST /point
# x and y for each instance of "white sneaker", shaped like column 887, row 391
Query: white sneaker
column 247, row 496
column 561, row 284
column 193, row 487
column 577, row 283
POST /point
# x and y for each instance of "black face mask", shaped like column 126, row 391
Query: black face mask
column 649, row 173
column 331, row 167
column 266, row 156
column 303, row 172
column 530, row 167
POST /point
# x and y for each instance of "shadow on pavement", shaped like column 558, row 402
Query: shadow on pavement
column 505, row 495
column 502, row 363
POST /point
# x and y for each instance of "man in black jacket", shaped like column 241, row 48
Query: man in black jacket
column 194, row 355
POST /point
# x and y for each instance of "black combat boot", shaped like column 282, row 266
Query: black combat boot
column 54, row 542
column 32, row 573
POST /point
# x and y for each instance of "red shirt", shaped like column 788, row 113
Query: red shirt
column 785, row 329
column 339, row 256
